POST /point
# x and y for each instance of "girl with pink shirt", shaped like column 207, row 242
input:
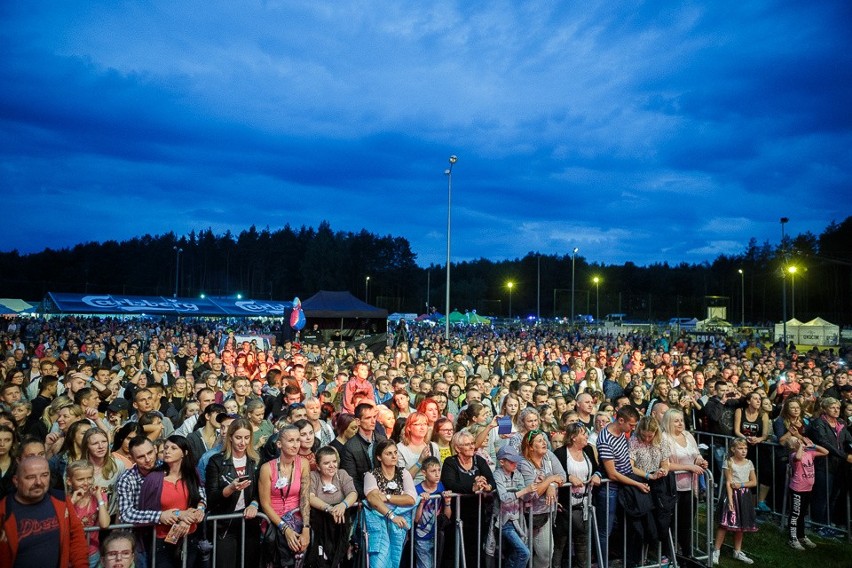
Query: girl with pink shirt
column 801, row 485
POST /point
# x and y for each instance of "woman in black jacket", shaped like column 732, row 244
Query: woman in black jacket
column 578, row 458
column 829, row 432
column 467, row 473
column 231, row 478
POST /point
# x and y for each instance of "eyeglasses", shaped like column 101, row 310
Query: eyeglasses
column 116, row 554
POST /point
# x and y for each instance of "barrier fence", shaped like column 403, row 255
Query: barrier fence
column 423, row 552
column 831, row 507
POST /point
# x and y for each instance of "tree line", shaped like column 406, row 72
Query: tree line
column 287, row 262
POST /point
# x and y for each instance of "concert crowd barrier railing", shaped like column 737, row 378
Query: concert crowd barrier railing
column 774, row 456
column 701, row 534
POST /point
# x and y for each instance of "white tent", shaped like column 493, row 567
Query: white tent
column 819, row 332
column 793, row 326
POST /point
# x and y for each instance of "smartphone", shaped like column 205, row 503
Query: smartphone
column 504, row 425
column 243, row 478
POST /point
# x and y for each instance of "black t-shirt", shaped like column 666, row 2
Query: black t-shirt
column 38, row 533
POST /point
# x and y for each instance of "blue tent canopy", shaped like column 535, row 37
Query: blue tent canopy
column 65, row 303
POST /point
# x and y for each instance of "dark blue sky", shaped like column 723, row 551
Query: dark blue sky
column 641, row 131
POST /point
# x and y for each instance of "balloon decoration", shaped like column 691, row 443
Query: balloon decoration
column 297, row 317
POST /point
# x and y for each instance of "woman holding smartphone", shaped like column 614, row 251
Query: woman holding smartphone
column 230, row 483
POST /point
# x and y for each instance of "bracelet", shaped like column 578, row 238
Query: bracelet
column 327, row 508
column 647, row 475
column 177, row 513
column 345, row 504
column 254, row 504
column 101, row 504
column 419, row 465
column 201, row 507
column 282, row 527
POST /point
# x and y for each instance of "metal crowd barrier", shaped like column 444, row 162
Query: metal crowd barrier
column 701, row 533
column 778, row 462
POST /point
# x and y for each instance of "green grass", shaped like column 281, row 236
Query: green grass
column 768, row 547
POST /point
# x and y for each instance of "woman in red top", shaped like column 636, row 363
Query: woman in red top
column 175, row 489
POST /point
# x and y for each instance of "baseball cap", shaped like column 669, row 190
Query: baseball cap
column 509, row 453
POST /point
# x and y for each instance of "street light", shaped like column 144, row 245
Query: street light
column 792, row 270
column 511, row 285
column 573, row 258
column 784, row 221
column 367, row 289
column 449, row 173
column 177, row 250
column 597, row 282
column 742, row 289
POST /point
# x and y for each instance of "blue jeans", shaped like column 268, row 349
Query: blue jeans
column 605, row 510
column 517, row 552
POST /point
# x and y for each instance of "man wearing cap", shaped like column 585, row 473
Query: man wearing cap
column 511, row 492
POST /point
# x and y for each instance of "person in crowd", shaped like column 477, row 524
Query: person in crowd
column 356, row 458
column 60, row 543
column 753, row 424
column 90, row 503
column 442, row 436
column 8, row 440
column 121, row 443
column 345, row 426
column 66, row 414
column 322, row 429
column 431, row 511
column 284, row 493
column 415, row 448
column 686, row 461
column 650, row 458
column 540, row 466
column 801, row 484
column 307, row 442
column 391, row 496
column 332, row 495
column 579, row 461
column 828, row 431
column 469, row 475
column 511, row 493
column 791, row 422
column 118, row 550
column 255, row 412
column 106, row 467
column 230, row 484
column 614, row 455
column 204, row 437
column 528, row 421
column 71, row 450
column 174, row 487
column 736, row 505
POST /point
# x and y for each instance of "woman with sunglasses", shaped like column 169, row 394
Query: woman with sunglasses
column 541, row 467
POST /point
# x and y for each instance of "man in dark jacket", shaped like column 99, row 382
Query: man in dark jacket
column 357, row 457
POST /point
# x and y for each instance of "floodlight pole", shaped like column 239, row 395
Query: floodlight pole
column 177, row 250
column 449, row 174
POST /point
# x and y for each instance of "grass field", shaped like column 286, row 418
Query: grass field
column 768, row 547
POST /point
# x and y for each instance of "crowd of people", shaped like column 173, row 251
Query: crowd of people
column 518, row 433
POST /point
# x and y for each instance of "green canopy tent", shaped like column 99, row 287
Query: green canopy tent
column 455, row 317
column 474, row 318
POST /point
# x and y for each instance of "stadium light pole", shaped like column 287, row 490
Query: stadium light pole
column 449, row 174
column 367, row 289
column 597, row 282
column 511, row 285
column 573, row 259
column 177, row 250
column 784, row 221
column 742, row 294
column 792, row 270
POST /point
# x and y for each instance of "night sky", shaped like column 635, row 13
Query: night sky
column 636, row 131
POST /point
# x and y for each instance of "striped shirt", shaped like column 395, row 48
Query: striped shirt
column 616, row 449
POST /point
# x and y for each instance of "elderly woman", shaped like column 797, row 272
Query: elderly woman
column 686, row 461
column 829, row 431
column 540, row 466
column 467, row 474
column 650, row 460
